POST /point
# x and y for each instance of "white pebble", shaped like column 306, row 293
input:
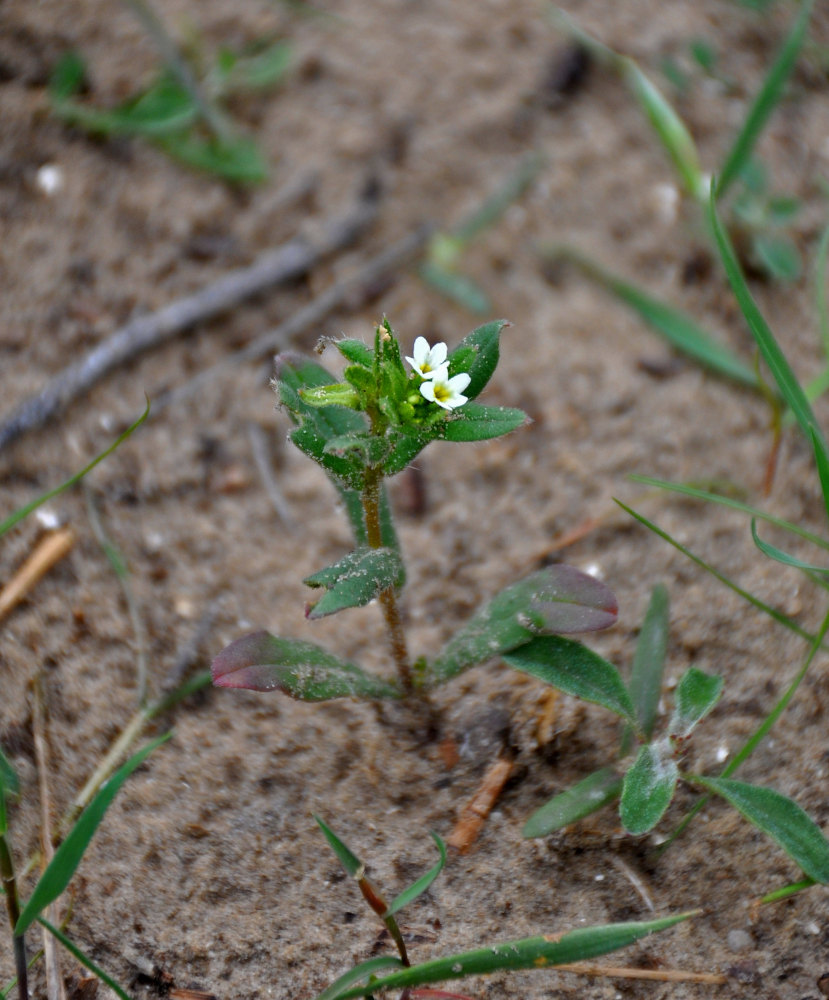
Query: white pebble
column 49, row 179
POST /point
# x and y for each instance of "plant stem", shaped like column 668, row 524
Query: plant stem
column 388, row 597
column 13, row 907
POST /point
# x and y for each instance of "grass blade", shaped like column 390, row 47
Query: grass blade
column 542, row 951
column 364, row 970
column 581, row 800
column 765, row 102
column 649, row 660
column 779, row 817
column 18, row 515
column 773, row 355
column 679, row 329
column 778, row 555
column 68, row 856
column 422, row 884
column 84, row 959
column 778, row 616
column 352, row 864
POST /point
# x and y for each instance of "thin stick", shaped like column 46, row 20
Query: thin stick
column 49, row 550
column 624, row 972
column 259, row 447
column 474, row 814
column 279, row 266
column 54, row 980
column 390, row 259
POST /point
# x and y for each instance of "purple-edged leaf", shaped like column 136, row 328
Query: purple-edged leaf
column 574, row 669
column 696, row 694
column 648, row 787
column 556, row 599
column 581, row 800
column 355, row 580
column 262, row 662
column 781, row 818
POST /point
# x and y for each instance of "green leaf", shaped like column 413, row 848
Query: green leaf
column 821, row 460
column 649, row 660
column 773, row 552
column 262, row 662
column 696, row 694
column 577, row 802
column 574, row 669
column 765, row 102
column 355, row 580
column 235, row 158
column 478, row 355
column 778, row 257
column 258, row 71
column 455, row 287
column 677, row 327
column 67, row 857
column 18, row 515
column 772, row 354
column 84, row 959
column 352, row 864
column 474, row 422
column 365, row 970
column 555, row 599
column 648, row 787
column 355, row 351
column 9, row 781
column 67, row 77
column 422, row 884
column 540, row 952
column 779, row 817
column 675, row 138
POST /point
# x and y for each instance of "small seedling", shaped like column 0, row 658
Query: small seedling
column 362, row 430
column 540, row 952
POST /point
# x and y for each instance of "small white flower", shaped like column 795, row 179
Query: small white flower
column 446, row 392
column 428, row 361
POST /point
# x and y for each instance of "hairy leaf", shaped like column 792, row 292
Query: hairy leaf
column 581, row 800
column 355, row 580
column 648, row 787
column 696, row 694
column 649, row 660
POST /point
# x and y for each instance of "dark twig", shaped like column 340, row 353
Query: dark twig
column 259, row 447
column 395, row 256
column 275, row 267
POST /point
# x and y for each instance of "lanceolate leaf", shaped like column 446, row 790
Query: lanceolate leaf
column 540, row 952
column 556, row 599
column 474, row 422
column 347, row 858
column 696, row 694
column 363, row 971
column 262, row 662
column 477, row 355
column 68, row 856
column 422, row 884
column 355, row 580
column 773, row 552
column 781, row 818
column 649, row 660
column 574, row 669
column 648, row 788
column 577, row 802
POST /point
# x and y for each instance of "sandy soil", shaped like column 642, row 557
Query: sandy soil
column 208, row 871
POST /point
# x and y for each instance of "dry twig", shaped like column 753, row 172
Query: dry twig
column 475, row 812
column 49, row 550
column 286, row 263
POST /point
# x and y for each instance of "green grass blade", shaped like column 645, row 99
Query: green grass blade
column 773, row 613
column 68, row 856
column 679, row 329
column 779, row 817
column 352, row 864
column 542, row 951
column 365, row 970
column 772, row 354
column 724, row 501
column 787, row 890
column 766, row 101
column 84, row 959
column 649, row 660
column 422, row 884
column 18, row 515
column 820, row 290
column 584, row 798
column 778, row 555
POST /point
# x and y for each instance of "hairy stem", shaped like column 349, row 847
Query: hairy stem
column 388, row 598
column 13, row 907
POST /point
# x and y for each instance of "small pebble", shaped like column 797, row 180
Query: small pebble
column 739, row 940
column 49, row 179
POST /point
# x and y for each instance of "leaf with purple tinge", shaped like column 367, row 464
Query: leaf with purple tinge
column 263, row 662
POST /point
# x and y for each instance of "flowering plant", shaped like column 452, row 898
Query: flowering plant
column 361, row 430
